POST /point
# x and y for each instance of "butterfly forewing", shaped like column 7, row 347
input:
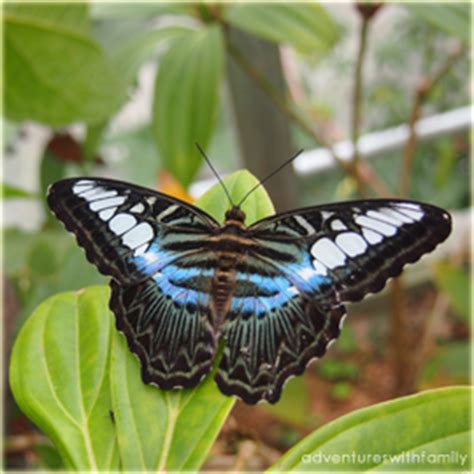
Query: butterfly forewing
column 357, row 246
column 125, row 229
column 274, row 291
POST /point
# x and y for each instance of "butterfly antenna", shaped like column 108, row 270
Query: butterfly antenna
column 208, row 161
column 273, row 173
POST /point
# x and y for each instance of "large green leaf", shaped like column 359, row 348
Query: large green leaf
column 306, row 26
column 452, row 18
column 419, row 432
column 186, row 99
column 144, row 44
column 59, row 377
column 54, row 72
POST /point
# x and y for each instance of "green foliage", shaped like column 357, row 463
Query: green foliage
column 306, row 27
column 56, row 73
column 452, row 360
column 333, row 369
column 341, row 391
column 455, row 282
column 8, row 191
column 452, row 18
column 186, row 99
column 70, row 368
column 431, row 422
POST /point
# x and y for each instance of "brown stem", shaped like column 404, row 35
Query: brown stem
column 357, row 90
column 423, row 89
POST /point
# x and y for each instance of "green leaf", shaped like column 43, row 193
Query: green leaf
column 307, row 27
column 452, row 18
column 186, row 99
column 8, row 191
column 59, row 376
column 455, row 282
column 430, row 423
column 143, row 11
column 54, row 72
column 162, row 430
column 451, row 360
column 143, row 45
column 256, row 207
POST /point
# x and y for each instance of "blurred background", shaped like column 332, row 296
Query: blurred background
column 125, row 91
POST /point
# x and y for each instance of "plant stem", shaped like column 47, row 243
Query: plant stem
column 423, row 89
column 357, row 92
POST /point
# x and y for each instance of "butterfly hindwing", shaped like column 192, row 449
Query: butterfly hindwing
column 273, row 329
column 175, row 341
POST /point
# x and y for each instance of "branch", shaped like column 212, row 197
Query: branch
column 424, row 88
column 357, row 91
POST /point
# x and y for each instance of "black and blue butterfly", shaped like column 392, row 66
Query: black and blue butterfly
column 273, row 292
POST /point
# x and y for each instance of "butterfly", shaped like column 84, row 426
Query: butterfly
column 271, row 294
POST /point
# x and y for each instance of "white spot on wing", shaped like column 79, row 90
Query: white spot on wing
column 305, row 224
column 105, row 203
column 351, row 243
column 319, row 268
column 306, row 273
column 138, row 236
column 168, row 211
column 327, row 252
column 341, row 321
column 138, row 208
column 396, row 215
column 385, row 217
column 372, row 237
column 326, row 214
column 385, row 229
column 97, row 193
column 107, row 213
column 410, row 205
column 82, row 186
column 121, row 223
column 337, row 224
column 417, row 215
column 141, row 250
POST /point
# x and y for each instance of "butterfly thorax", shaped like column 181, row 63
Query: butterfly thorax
column 232, row 245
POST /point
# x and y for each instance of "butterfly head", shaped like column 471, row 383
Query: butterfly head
column 235, row 214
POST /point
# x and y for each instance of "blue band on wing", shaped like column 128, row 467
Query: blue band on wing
column 179, row 294
column 268, row 284
column 261, row 305
column 153, row 260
